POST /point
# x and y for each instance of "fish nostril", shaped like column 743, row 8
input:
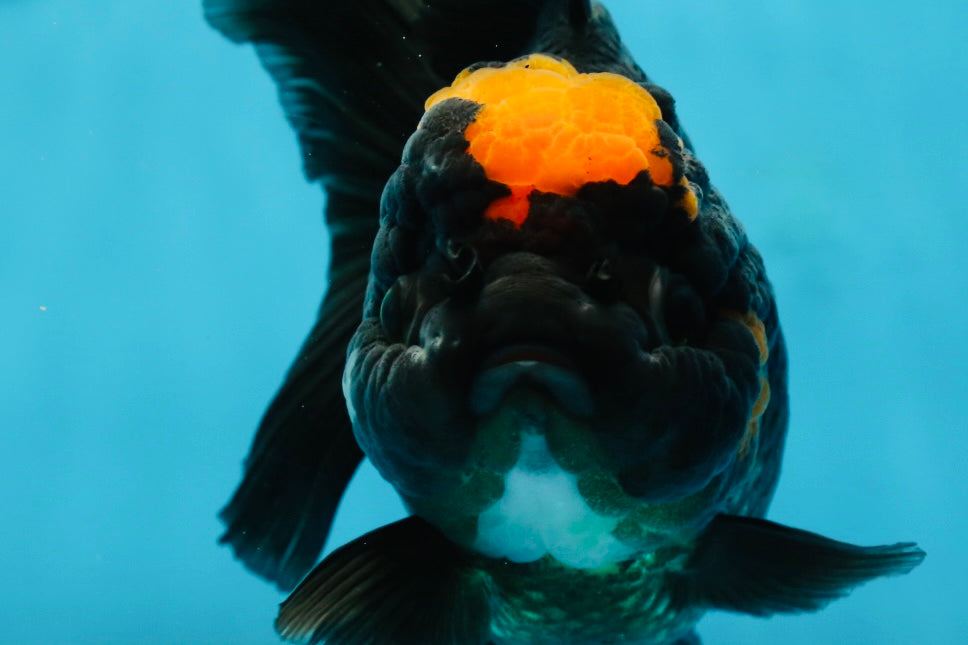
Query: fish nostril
column 466, row 270
column 601, row 283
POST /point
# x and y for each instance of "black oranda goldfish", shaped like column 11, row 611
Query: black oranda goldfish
column 543, row 326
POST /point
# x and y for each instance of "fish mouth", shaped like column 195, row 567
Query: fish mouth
column 537, row 366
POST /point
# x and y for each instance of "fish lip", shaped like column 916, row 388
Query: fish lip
column 538, row 365
column 524, row 352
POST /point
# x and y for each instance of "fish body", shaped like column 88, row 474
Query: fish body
column 561, row 349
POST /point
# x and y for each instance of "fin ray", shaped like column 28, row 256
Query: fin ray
column 403, row 583
column 759, row 567
column 353, row 76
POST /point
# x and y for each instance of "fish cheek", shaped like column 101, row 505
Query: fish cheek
column 405, row 415
column 691, row 413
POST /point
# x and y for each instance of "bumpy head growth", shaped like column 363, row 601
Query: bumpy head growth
column 544, row 126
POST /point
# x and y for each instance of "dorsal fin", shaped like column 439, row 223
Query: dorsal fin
column 579, row 13
column 583, row 33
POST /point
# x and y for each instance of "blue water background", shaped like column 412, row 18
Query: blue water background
column 161, row 259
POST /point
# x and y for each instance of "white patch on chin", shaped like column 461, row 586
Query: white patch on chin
column 542, row 512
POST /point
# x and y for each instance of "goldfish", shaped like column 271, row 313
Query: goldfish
column 545, row 329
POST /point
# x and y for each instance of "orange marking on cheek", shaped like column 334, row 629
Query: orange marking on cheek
column 764, row 399
column 545, row 126
column 756, row 327
column 753, row 427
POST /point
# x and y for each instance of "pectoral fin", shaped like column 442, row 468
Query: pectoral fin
column 758, row 567
column 404, row 584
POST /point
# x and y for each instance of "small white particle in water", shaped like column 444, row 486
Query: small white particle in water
column 43, row 307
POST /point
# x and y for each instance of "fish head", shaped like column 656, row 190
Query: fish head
column 557, row 294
